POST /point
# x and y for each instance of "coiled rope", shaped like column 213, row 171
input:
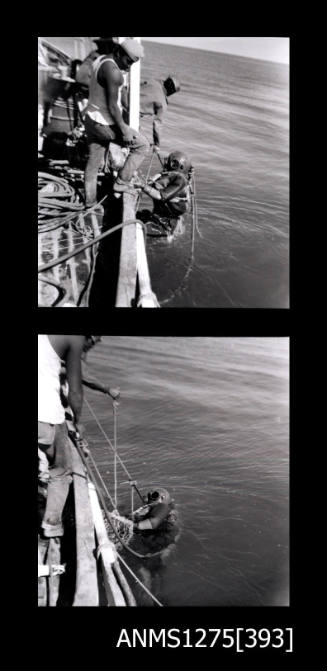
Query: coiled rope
column 56, row 197
column 59, row 203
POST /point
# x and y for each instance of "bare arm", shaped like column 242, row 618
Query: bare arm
column 153, row 519
column 90, row 382
column 163, row 191
column 74, row 374
column 176, row 185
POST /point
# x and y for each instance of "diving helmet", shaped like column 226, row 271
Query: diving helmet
column 155, row 493
column 178, row 161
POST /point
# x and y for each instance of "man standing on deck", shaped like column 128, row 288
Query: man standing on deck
column 53, row 440
column 103, row 115
column 154, row 95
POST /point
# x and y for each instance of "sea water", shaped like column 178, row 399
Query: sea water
column 232, row 118
column 208, row 419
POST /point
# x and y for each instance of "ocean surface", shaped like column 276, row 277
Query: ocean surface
column 208, row 419
column 232, row 117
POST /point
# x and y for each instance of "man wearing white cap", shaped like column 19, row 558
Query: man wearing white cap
column 103, row 116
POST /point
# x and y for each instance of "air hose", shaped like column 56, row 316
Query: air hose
column 57, row 198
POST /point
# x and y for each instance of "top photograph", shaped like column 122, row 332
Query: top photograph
column 163, row 172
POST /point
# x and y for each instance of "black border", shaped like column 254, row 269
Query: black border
column 105, row 626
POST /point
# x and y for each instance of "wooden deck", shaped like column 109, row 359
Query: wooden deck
column 67, row 282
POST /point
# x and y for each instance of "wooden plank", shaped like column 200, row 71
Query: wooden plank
column 147, row 298
column 42, row 582
column 53, row 558
column 86, row 593
column 72, row 265
column 107, row 553
column 134, row 93
column 126, row 287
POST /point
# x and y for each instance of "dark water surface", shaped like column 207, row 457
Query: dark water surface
column 232, row 117
column 208, row 418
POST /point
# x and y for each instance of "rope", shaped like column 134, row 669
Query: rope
column 159, row 157
column 150, row 165
column 195, row 207
column 129, row 481
column 146, row 178
column 189, row 268
column 115, row 452
column 56, row 196
column 102, row 480
column 62, row 292
column 138, row 580
column 62, row 220
column 148, row 555
column 108, row 440
column 87, row 287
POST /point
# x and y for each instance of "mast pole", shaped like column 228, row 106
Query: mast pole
column 134, row 93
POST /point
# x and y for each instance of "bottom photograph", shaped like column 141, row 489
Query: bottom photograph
column 163, row 471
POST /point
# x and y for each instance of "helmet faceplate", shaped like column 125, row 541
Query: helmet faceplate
column 160, row 492
column 178, row 161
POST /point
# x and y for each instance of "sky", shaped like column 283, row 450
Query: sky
column 265, row 48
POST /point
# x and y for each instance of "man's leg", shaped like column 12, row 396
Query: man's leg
column 95, row 159
column 138, row 150
column 98, row 138
column 60, row 470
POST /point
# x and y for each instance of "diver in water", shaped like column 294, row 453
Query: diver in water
column 155, row 524
column 169, row 191
column 156, row 532
column 153, row 516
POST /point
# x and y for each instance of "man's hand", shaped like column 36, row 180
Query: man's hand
column 156, row 148
column 139, row 183
column 114, row 393
column 128, row 134
column 80, row 428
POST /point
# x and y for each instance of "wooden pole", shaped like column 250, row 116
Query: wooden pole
column 133, row 261
column 86, row 592
column 147, row 298
column 134, row 93
column 107, row 553
column 126, row 287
